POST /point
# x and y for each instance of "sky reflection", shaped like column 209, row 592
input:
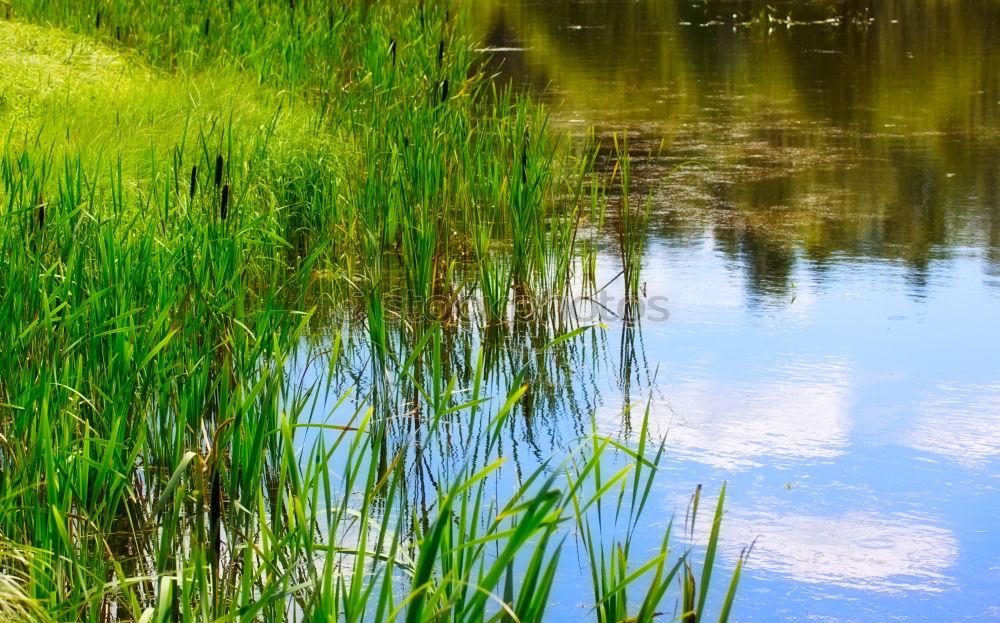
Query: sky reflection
column 796, row 412
column 856, row 550
column 960, row 422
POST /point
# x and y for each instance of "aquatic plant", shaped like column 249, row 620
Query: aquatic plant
column 631, row 222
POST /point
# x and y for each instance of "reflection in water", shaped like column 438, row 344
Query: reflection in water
column 961, row 423
column 816, row 142
column 856, row 550
column 859, row 158
column 798, row 413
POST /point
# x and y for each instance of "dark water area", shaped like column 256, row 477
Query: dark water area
column 830, row 268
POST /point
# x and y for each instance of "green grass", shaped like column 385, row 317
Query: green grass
column 190, row 199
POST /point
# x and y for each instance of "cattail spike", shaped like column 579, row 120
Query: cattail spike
column 215, row 518
column 392, row 50
column 218, row 171
column 41, row 211
column 194, row 180
column 444, row 90
column 440, row 53
column 224, row 210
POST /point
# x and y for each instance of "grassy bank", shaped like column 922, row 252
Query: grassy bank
column 187, row 195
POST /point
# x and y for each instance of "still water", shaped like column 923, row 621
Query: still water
column 831, row 267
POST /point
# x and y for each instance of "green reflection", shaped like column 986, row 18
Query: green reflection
column 875, row 137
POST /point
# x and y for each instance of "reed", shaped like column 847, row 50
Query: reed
column 495, row 279
column 632, row 221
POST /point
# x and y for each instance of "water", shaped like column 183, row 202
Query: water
column 831, row 273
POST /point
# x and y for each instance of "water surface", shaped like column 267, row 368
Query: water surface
column 832, row 271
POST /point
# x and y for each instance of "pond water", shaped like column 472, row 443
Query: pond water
column 831, row 275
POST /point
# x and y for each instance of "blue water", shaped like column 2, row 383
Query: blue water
column 857, row 425
column 831, row 273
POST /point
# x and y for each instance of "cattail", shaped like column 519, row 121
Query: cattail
column 392, row 50
column 98, row 25
column 208, row 22
column 406, row 141
column 41, row 211
column 215, row 504
column 440, row 53
column 194, row 180
column 444, row 90
column 215, row 517
column 225, row 202
column 218, row 171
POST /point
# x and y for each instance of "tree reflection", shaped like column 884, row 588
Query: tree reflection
column 876, row 140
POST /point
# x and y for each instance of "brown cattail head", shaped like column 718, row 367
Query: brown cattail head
column 440, row 53
column 218, row 171
column 98, row 24
column 392, row 50
column 208, row 24
column 224, row 209
column 40, row 211
column 194, row 180
column 215, row 502
column 215, row 517
column 444, row 90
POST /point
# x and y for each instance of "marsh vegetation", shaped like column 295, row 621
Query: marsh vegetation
column 276, row 280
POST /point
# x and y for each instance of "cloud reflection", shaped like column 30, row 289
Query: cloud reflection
column 960, row 422
column 798, row 411
column 856, row 550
